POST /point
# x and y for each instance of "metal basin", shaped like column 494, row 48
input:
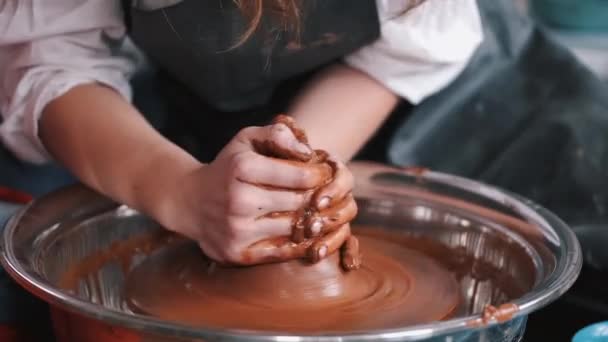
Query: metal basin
column 528, row 255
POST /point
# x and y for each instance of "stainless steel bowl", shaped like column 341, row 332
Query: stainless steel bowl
column 528, row 249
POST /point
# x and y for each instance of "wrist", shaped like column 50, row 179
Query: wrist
column 157, row 189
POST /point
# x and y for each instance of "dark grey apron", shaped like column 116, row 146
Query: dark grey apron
column 525, row 115
column 214, row 90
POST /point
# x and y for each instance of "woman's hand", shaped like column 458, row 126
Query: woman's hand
column 228, row 205
column 225, row 206
column 322, row 226
column 334, row 201
column 336, row 207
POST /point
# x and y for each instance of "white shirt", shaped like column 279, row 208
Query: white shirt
column 49, row 46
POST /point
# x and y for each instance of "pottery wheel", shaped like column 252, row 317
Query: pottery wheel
column 395, row 287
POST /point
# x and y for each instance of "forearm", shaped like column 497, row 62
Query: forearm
column 109, row 146
column 341, row 109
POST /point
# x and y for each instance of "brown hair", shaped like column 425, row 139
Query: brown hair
column 286, row 11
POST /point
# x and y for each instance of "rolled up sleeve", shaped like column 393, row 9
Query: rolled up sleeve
column 49, row 47
column 421, row 49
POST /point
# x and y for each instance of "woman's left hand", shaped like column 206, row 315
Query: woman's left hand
column 326, row 231
column 321, row 227
column 338, row 189
column 334, row 202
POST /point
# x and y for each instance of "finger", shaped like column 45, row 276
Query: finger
column 342, row 184
column 350, row 255
column 320, row 156
column 208, row 244
column 255, row 169
column 299, row 225
column 328, row 244
column 270, row 227
column 297, row 133
column 291, row 123
column 298, row 222
column 265, row 201
column 210, row 252
column 332, row 218
column 276, row 140
column 274, row 250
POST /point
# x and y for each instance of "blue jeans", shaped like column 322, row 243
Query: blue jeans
column 16, row 306
column 19, row 311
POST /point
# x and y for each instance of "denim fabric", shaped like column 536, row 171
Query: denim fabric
column 16, row 305
column 35, row 180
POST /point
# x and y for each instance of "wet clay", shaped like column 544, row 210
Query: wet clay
column 492, row 314
column 404, row 279
column 395, row 287
column 333, row 231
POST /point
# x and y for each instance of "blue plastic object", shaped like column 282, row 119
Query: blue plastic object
column 594, row 333
column 585, row 15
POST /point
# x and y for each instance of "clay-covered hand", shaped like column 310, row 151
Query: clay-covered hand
column 333, row 203
column 322, row 226
column 225, row 205
column 335, row 208
column 283, row 248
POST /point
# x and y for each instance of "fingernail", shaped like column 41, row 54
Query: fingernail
column 324, row 202
column 302, row 148
column 322, row 252
column 316, row 227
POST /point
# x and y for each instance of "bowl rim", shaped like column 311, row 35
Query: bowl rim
column 557, row 283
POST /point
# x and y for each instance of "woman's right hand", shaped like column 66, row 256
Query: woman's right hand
column 243, row 197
